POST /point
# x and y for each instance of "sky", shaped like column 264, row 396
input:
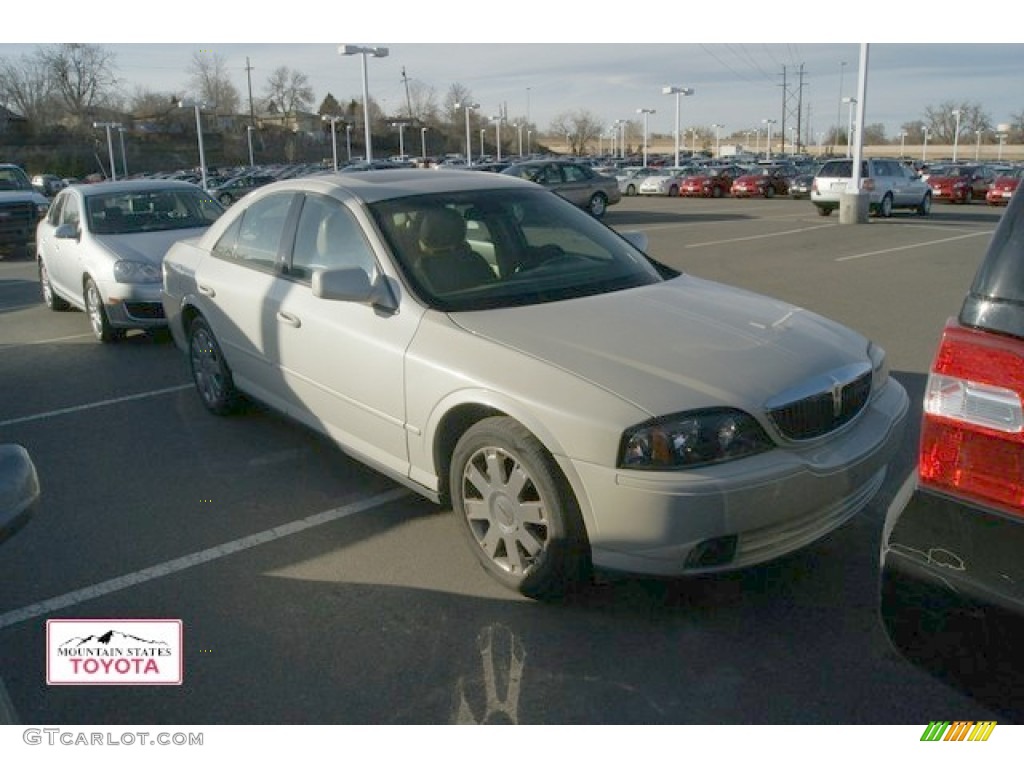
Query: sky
column 609, row 59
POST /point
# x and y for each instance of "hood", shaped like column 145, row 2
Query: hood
column 146, row 246
column 22, row 196
column 681, row 344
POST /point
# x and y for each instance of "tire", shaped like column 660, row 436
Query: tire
column 716, row 192
column 97, row 314
column 597, row 205
column 925, row 206
column 673, row 191
column 52, row 301
column 885, row 209
column 631, row 190
column 823, row 210
column 769, row 192
column 225, row 200
column 210, row 373
column 517, row 510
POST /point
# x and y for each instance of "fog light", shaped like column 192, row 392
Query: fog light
column 712, row 552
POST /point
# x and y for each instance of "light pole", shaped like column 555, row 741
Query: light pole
column 1002, row 139
column 519, row 130
column 196, row 105
column 497, row 133
column 903, row 138
column 363, row 51
column 124, row 157
column 956, row 132
column 679, row 92
column 333, row 120
column 110, row 146
column 718, row 138
column 348, row 141
column 529, row 140
column 620, row 127
column 483, row 133
column 924, row 144
column 423, row 143
column 849, row 126
column 469, row 146
column 769, row 122
column 645, row 113
column 977, row 145
column 401, row 137
column 248, row 135
column 839, row 105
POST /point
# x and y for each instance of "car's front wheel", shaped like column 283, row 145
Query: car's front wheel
column 520, row 515
column 824, row 210
column 210, row 371
column 885, row 209
column 50, row 298
column 598, row 205
column 769, row 191
column 97, row 314
column 631, row 190
column 925, row 207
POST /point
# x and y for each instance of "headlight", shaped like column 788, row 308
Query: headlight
column 692, row 439
column 136, row 272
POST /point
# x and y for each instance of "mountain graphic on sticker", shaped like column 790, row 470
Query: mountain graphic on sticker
column 109, row 639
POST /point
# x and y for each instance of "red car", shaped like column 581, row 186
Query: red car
column 1002, row 188
column 712, row 182
column 763, row 182
column 960, row 183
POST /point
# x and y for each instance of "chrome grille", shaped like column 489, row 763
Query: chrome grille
column 823, row 411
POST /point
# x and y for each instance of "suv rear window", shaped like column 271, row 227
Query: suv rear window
column 996, row 299
column 841, row 169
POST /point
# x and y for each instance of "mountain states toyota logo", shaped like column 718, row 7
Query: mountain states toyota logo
column 114, row 652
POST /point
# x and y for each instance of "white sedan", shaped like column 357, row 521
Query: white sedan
column 493, row 347
column 664, row 181
column 100, row 248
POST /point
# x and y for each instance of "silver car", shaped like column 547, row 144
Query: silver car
column 890, row 185
column 491, row 346
column 576, row 182
column 101, row 245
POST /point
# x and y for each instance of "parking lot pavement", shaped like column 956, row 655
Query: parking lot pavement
column 314, row 590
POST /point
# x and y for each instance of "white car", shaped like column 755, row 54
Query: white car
column 889, row 184
column 493, row 347
column 664, row 181
column 101, row 245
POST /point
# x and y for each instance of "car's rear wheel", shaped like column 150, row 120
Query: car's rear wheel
column 210, row 371
column 631, row 190
column 673, row 191
column 885, row 209
column 716, row 192
column 769, row 191
column 598, row 205
column 225, row 199
column 823, row 210
column 97, row 314
column 925, row 207
column 520, row 515
column 50, row 298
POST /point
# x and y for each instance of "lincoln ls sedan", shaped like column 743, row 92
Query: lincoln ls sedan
column 577, row 404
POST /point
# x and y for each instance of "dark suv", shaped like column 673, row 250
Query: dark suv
column 21, row 208
column 952, row 555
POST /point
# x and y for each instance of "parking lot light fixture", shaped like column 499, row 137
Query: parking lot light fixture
column 252, row 163
column 401, row 137
column 903, row 138
column 851, row 101
column 977, row 145
column 669, row 90
column 333, row 120
column 110, row 146
column 363, row 52
column 718, row 138
column 646, row 113
column 198, row 105
column 469, row 144
column 497, row 133
column 124, row 157
column 1002, row 140
column 956, row 131
column 423, row 143
column 769, row 122
column 924, row 143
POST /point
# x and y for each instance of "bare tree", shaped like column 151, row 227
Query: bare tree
column 152, row 105
column 208, row 78
column 942, row 122
column 423, row 101
column 82, row 76
column 289, row 90
column 26, row 85
column 580, row 128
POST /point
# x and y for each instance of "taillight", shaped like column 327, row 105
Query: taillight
column 972, row 431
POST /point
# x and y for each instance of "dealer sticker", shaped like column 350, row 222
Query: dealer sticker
column 114, row 652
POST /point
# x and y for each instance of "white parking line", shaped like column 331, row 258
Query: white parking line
column 46, row 341
column 169, row 567
column 90, row 406
column 758, row 237
column 913, row 245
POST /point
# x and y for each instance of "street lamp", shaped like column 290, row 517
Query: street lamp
column 849, row 126
column 497, row 133
column 401, row 137
column 197, row 105
column 956, row 133
column 348, row 140
column 529, row 140
column 903, row 138
column 110, row 146
column 645, row 113
column 519, row 130
column 1002, row 139
column 924, row 144
column 363, row 51
column 769, row 122
column 124, row 157
column 469, row 145
column 977, row 145
column 839, row 104
column 483, row 133
column 620, row 126
column 248, row 135
column 333, row 120
column 673, row 89
column 423, row 143
column 718, row 138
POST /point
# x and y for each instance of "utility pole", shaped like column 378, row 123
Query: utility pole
column 252, row 109
column 408, row 100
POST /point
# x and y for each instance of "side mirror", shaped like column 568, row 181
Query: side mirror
column 19, row 488
column 353, row 284
column 637, row 239
column 66, row 232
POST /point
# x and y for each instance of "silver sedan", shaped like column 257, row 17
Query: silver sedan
column 578, row 404
column 100, row 248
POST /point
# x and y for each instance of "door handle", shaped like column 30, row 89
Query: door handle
column 206, row 290
column 289, row 318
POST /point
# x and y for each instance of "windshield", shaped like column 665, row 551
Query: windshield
column 996, row 298
column 14, row 179
column 481, row 250
column 151, row 210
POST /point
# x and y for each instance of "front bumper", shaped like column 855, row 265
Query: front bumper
column 133, row 305
column 743, row 512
